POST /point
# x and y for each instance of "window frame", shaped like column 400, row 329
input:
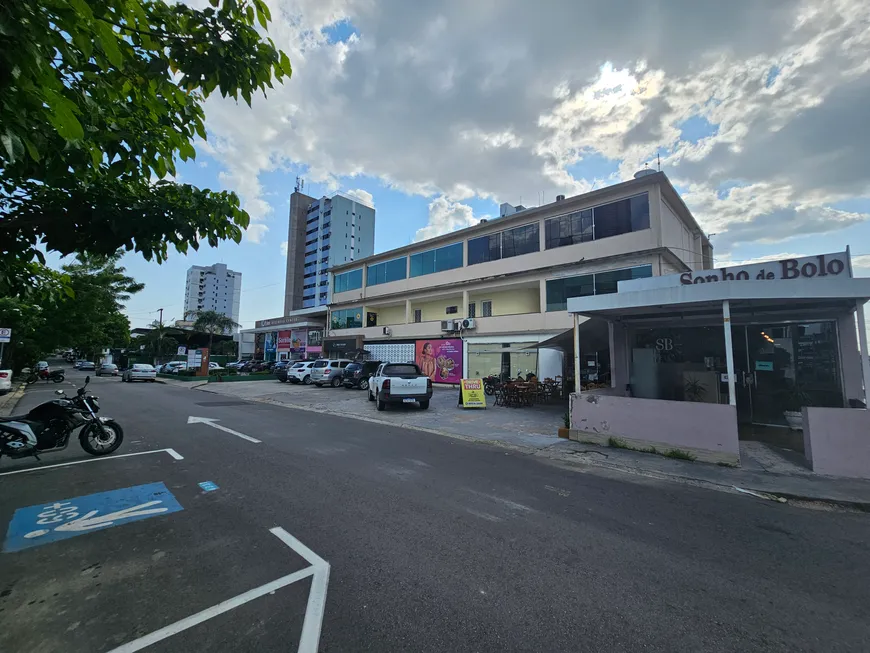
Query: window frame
column 484, row 304
column 430, row 258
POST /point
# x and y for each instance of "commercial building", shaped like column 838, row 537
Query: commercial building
column 323, row 233
column 213, row 288
column 702, row 360
column 492, row 298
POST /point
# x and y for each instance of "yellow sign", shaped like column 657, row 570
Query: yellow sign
column 472, row 393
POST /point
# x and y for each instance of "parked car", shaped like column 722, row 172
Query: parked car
column 107, row 369
column 234, row 365
column 328, row 372
column 400, row 383
column 356, row 375
column 251, row 365
column 214, row 366
column 280, row 370
column 41, row 365
column 172, row 367
column 5, row 381
column 87, row 366
column 300, row 372
column 140, row 372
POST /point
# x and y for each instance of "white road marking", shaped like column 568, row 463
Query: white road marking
column 309, row 641
column 211, row 422
column 171, row 452
column 214, row 611
column 91, row 520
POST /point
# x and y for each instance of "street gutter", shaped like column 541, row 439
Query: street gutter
column 10, row 400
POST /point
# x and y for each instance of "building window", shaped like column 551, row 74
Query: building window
column 349, row 318
column 348, row 281
column 452, row 310
column 613, row 219
column 394, row 270
column 559, row 291
column 472, row 310
column 436, row 260
column 486, row 308
column 418, row 315
column 505, row 244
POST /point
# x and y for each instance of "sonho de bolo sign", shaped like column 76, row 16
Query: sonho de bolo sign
column 809, row 267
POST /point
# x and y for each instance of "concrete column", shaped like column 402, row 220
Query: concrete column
column 408, row 314
column 542, row 296
column 862, row 350
column 542, row 235
column 465, row 303
column 729, row 353
column 576, row 353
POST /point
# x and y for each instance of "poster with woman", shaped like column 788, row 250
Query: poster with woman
column 440, row 360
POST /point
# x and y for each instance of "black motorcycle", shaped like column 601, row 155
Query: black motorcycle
column 490, row 383
column 49, row 426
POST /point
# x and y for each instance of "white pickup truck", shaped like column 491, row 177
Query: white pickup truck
column 400, row 383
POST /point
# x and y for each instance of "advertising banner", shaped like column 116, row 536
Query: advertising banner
column 440, row 360
column 298, row 340
column 472, row 393
column 284, row 340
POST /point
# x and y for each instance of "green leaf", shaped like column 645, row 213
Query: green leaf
column 284, row 63
column 63, row 119
column 31, row 149
column 82, row 8
column 108, row 41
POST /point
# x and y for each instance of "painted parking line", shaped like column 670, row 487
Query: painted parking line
column 171, row 452
column 309, row 641
column 208, row 486
column 61, row 520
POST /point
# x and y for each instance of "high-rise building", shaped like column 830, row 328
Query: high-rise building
column 213, row 288
column 323, row 233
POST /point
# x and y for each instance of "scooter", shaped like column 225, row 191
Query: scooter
column 49, row 426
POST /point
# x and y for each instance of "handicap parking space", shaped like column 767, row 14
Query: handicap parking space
column 148, row 550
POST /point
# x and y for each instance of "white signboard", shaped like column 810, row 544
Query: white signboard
column 182, row 350
column 808, row 267
column 194, row 359
column 5, row 335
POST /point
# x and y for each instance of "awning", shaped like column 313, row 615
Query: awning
column 594, row 336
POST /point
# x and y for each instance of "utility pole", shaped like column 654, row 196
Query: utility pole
column 160, row 337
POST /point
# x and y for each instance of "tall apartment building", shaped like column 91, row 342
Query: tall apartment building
column 323, row 233
column 481, row 300
column 213, row 288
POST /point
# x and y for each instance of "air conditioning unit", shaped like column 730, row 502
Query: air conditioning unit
column 388, row 331
column 448, row 325
column 468, row 323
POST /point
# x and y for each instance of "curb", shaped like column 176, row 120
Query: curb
column 862, row 506
column 10, row 400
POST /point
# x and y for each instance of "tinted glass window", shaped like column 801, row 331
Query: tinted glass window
column 349, row 318
column 569, row 229
column 403, row 369
column 354, row 366
column 348, row 281
column 321, row 363
column 601, row 283
column 484, row 249
column 436, row 260
column 394, row 270
column 522, row 240
column 622, row 217
column 606, row 282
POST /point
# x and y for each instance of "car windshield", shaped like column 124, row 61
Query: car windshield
column 354, row 366
column 401, row 369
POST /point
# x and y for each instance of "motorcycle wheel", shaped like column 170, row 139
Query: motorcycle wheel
column 489, row 390
column 57, row 379
column 98, row 442
column 32, row 379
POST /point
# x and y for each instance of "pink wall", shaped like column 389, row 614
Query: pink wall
column 837, row 441
column 849, row 358
column 704, row 428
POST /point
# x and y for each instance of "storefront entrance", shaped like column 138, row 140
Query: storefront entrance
column 778, row 367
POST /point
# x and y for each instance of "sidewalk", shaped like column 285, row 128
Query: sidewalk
column 787, row 481
column 533, row 431
column 10, row 399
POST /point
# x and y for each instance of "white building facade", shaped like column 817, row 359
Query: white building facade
column 213, row 288
column 481, row 300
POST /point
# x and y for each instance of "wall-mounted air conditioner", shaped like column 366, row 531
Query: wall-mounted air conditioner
column 468, row 323
column 448, row 325
column 388, row 331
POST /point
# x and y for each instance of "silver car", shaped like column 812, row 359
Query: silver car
column 326, row 371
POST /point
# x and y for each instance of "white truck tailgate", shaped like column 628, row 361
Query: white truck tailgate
column 400, row 386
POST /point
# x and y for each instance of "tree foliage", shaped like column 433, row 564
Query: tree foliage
column 98, row 98
column 212, row 323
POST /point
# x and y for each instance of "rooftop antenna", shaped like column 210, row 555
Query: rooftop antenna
column 659, row 160
column 300, row 184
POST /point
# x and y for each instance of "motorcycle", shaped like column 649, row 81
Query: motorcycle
column 49, row 426
column 56, row 375
column 490, row 383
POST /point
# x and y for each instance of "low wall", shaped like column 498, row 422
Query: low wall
column 709, row 431
column 837, row 441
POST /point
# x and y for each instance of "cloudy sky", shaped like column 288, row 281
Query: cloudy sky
column 436, row 112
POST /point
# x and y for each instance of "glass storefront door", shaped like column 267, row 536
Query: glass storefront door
column 788, row 366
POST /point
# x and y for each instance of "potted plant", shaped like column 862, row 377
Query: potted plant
column 564, row 432
column 793, row 401
column 693, row 389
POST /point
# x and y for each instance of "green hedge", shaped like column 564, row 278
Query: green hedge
column 248, row 377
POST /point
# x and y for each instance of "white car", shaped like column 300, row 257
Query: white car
column 214, row 366
column 300, row 372
column 140, row 372
column 5, row 381
column 400, row 383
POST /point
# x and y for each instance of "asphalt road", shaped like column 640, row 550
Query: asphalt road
column 433, row 544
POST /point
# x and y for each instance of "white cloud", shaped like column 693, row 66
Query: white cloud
column 255, row 232
column 446, row 216
column 361, row 196
column 284, row 248
column 861, row 265
column 422, row 101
